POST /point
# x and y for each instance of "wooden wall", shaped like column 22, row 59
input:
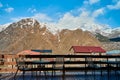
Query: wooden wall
column 7, row 63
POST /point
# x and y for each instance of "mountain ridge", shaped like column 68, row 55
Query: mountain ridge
column 104, row 30
column 24, row 35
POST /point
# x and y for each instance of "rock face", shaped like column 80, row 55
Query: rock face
column 111, row 45
column 115, row 33
column 30, row 34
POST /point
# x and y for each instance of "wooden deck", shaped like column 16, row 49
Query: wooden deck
column 74, row 69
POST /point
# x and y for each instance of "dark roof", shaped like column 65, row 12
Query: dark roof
column 87, row 49
column 42, row 51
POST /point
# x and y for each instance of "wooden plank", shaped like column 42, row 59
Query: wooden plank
column 10, row 63
column 71, row 56
column 7, row 70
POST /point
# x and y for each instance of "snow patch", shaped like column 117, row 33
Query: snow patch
column 33, row 22
column 58, row 37
column 52, row 28
column 3, row 27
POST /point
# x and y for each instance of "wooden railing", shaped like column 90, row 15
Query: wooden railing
column 81, row 59
column 8, row 63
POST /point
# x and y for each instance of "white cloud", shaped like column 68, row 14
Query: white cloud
column 1, row 5
column 32, row 10
column 18, row 18
column 42, row 17
column 93, row 1
column 98, row 12
column 85, row 20
column 68, row 21
column 9, row 10
column 114, row 1
column 116, row 6
column 85, row 2
column 39, row 16
column 2, row 27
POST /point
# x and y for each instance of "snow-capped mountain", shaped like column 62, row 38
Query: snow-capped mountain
column 30, row 34
column 115, row 33
column 104, row 30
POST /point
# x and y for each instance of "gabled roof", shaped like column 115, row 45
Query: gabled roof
column 87, row 49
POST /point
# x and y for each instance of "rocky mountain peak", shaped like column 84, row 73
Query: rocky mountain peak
column 23, row 26
column 30, row 34
column 29, row 22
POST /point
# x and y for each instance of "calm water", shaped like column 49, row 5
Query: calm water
column 70, row 76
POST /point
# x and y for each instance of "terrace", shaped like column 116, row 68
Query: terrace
column 74, row 67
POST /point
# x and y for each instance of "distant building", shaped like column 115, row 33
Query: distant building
column 87, row 50
column 114, row 52
column 34, row 52
column 28, row 52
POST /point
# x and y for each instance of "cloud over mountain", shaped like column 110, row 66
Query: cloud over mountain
column 86, row 16
column 85, row 20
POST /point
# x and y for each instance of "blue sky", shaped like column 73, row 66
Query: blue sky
column 63, row 12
